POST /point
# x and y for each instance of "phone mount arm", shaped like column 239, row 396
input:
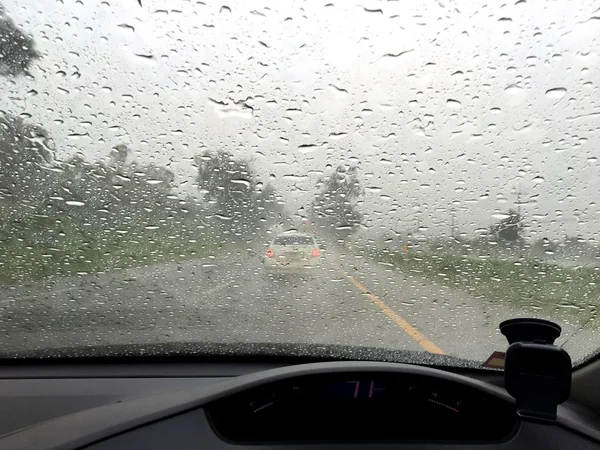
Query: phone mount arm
column 536, row 372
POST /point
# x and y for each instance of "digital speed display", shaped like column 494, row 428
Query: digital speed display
column 355, row 389
column 362, row 406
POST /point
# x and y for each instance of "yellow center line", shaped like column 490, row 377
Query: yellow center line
column 397, row 319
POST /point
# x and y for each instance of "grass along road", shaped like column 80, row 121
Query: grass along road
column 25, row 262
column 536, row 288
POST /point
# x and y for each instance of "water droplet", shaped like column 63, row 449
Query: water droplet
column 556, row 93
column 396, row 55
column 145, row 56
column 77, row 136
column 74, row 203
column 373, row 10
column 308, row 148
column 513, row 89
column 126, row 27
column 154, row 181
column 524, row 129
column 337, row 135
column 338, row 90
column 454, row 104
column 241, row 181
column 538, row 179
column 232, row 109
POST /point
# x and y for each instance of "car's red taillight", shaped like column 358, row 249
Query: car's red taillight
column 316, row 253
column 270, row 253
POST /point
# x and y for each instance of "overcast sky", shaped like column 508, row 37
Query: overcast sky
column 444, row 106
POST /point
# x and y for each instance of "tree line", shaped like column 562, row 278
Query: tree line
column 79, row 215
column 76, row 215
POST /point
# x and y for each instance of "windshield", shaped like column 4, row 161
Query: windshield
column 445, row 154
column 293, row 240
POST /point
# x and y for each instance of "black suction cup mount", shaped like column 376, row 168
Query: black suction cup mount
column 530, row 330
column 536, row 372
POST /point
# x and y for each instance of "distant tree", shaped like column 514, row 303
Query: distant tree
column 509, row 228
column 121, row 193
column 578, row 246
column 27, row 167
column 545, row 246
column 17, row 50
column 118, row 156
column 270, row 207
column 335, row 204
column 228, row 186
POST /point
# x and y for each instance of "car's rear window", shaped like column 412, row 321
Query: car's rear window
column 293, row 240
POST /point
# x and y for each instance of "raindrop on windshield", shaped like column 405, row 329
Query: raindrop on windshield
column 145, row 56
column 556, row 93
column 513, row 89
column 241, row 181
column 126, row 27
column 308, row 148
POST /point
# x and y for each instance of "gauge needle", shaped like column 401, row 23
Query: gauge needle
column 265, row 406
column 451, row 408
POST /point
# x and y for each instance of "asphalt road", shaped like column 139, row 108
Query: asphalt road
column 229, row 298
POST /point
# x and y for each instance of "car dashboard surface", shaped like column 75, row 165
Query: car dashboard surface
column 321, row 405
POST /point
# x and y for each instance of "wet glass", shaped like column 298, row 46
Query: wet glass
column 446, row 155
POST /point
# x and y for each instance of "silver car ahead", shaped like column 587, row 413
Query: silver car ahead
column 292, row 253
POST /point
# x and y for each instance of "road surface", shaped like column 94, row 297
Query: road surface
column 228, row 298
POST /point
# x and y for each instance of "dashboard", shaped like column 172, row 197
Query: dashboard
column 359, row 406
column 313, row 406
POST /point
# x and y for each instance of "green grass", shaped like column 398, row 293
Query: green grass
column 29, row 264
column 528, row 285
column 24, row 259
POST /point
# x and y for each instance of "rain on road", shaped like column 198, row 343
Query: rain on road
column 350, row 300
